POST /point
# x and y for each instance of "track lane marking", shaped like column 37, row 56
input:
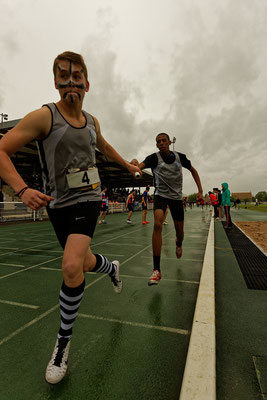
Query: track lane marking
column 28, row 268
column 163, row 279
column 13, row 265
column 136, row 324
column 53, row 259
column 175, row 258
column 14, row 303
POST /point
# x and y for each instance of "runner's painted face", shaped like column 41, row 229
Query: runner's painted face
column 70, row 81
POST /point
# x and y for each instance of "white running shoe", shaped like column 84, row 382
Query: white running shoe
column 129, row 221
column 115, row 279
column 57, row 366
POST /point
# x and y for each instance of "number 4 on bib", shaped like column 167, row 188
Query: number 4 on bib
column 85, row 178
column 82, row 180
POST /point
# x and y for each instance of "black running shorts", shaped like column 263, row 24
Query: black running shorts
column 79, row 218
column 130, row 207
column 175, row 206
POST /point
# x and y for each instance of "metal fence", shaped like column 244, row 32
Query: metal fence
column 18, row 211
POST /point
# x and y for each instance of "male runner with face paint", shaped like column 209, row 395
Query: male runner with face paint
column 167, row 166
column 67, row 137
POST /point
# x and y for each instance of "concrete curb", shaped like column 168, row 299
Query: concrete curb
column 199, row 381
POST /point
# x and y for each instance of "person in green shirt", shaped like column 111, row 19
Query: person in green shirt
column 226, row 203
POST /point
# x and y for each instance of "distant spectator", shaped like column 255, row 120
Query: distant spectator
column 237, row 203
column 219, row 197
column 144, row 205
column 185, row 203
column 214, row 203
column 130, row 205
column 104, row 207
column 257, row 202
column 226, row 202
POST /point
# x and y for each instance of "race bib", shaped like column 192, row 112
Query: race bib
column 86, row 179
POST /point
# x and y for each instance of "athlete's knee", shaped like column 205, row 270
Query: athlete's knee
column 71, row 268
column 158, row 225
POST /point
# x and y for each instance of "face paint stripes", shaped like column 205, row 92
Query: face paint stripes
column 62, row 84
column 72, row 97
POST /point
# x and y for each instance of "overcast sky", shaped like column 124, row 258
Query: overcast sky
column 196, row 69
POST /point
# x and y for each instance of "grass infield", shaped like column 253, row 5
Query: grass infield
column 252, row 207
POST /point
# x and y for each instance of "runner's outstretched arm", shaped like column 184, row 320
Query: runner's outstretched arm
column 198, row 182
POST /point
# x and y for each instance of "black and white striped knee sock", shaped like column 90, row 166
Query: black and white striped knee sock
column 69, row 300
column 104, row 266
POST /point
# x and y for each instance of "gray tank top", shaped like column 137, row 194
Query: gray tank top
column 168, row 178
column 65, row 148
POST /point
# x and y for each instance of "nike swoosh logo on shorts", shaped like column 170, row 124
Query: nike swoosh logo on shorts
column 76, row 219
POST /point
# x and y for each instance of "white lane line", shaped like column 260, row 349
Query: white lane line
column 9, row 248
column 26, row 248
column 52, row 269
column 33, row 266
column 60, row 270
column 13, row 303
column 164, row 279
column 35, row 255
column 175, row 258
column 184, row 247
column 32, row 322
column 199, row 381
column 47, row 251
column 137, row 324
column 116, row 237
column 36, row 240
column 124, row 244
column 194, row 236
column 114, row 255
column 13, row 265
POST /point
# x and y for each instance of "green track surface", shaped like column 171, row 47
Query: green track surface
column 127, row 346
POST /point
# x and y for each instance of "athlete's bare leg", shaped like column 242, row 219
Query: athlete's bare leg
column 157, row 232
column 75, row 253
column 144, row 215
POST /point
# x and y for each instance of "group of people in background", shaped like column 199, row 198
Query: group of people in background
column 221, row 202
column 219, row 199
column 130, row 204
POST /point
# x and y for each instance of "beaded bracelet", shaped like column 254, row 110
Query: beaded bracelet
column 20, row 193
